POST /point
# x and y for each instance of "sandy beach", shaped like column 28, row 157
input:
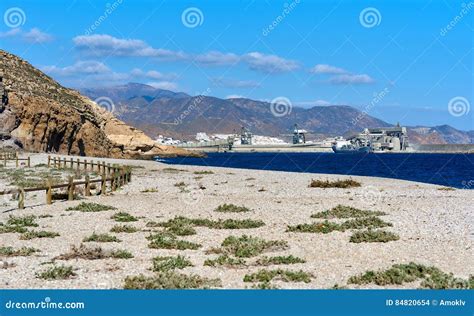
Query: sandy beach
column 435, row 226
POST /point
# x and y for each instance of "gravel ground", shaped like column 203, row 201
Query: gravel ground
column 436, row 227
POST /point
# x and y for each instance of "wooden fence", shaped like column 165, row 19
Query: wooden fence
column 13, row 156
column 115, row 175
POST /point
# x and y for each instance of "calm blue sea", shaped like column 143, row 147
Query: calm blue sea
column 456, row 170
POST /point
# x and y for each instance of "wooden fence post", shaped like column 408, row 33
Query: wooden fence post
column 29, row 162
column 71, row 162
column 88, row 186
column 103, row 184
column 112, row 183
column 78, row 164
column 16, row 158
column 49, row 192
column 21, row 199
column 70, row 189
column 85, row 164
column 122, row 176
column 49, row 161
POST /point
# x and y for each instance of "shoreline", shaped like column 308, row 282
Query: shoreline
column 435, row 226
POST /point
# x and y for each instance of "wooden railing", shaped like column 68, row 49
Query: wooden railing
column 13, row 156
column 116, row 176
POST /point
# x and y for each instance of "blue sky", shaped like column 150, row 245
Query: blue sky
column 397, row 60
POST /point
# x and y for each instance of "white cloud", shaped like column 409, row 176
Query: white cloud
column 166, row 85
column 152, row 74
column 106, row 45
column 269, row 63
column 80, row 67
column 215, row 58
column 231, row 83
column 10, row 33
column 327, row 69
column 351, row 79
column 234, row 96
column 313, row 103
column 35, row 35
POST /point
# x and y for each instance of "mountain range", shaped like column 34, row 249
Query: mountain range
column 179, row 115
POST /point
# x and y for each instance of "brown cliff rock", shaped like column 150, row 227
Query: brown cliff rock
column 46, row 117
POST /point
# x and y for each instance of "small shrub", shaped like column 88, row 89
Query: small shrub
column 203, row 172
column 167, row 240
column 151, row 190
column 90, row 207
column 398, row 274
column 101, row 238
column 443, row 280
column 21, row 252
column 365, row 222
column 225, row 260
column 161, row 264
column 57, row 273
column 180, row 184
column 169, row 280
column 45, row 216
column 183, row 225
column 446, row 189
column 4, row 229
column 121, row 254
column 22, row 221
column 247, row 246
column 172, row 170
column 266, row 261
column 341, row 211
column 264, row 286
column 342, row 184
column 123, row 217
column 180, row 226
column 235, row 224
column 231, row 208
column 123, row 229
column 323, row 228
column 38, row 234
column 283, row 275
column 93, row 253
column 373, row 236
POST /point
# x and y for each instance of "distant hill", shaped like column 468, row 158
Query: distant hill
column 157, row 111
column 443, row 134
column 43, row 116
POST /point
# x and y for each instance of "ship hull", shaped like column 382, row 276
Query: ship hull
column 360, row 150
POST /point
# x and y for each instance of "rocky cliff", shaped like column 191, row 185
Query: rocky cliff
column 43, row 116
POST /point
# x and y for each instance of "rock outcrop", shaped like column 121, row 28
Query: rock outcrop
column 43, row 116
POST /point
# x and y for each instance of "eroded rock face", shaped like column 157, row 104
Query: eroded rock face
column 45, row 117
